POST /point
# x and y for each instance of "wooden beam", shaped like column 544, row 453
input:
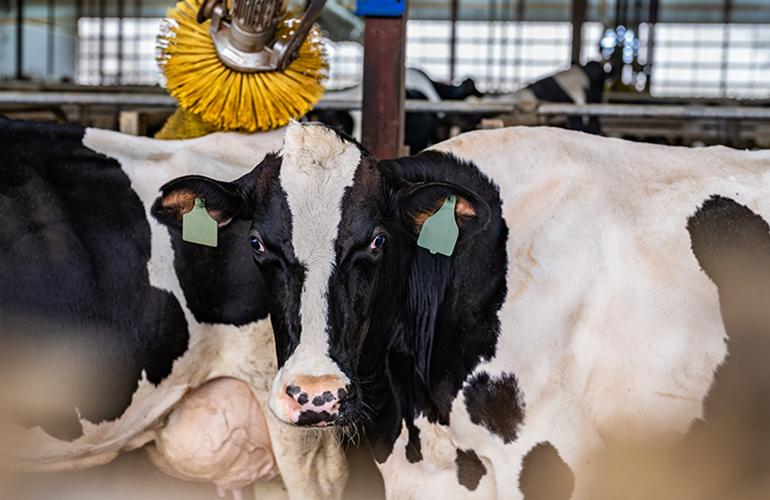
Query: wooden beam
column 382, row 127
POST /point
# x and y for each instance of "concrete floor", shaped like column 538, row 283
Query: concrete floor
column 132, row 477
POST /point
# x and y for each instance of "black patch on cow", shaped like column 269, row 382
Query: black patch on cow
column 450, row 92
column 414, row 446
column 594, row 70
column 80, row 320
column 335, row 119
column 221, row 284
column 309, row 418
column 549, row 90
column 544, row 475
column 283, row 273
column 419, row 127
column 495, row 403
column 470, row 469
column 732, row 245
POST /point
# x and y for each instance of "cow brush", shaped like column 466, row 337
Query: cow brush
column 245, row 65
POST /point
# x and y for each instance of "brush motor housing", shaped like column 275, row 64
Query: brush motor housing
column 244, row 33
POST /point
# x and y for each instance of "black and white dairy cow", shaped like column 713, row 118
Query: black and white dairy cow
column 115, row 333
column 573, row 311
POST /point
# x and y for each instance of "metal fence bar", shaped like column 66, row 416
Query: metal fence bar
column 657, row 111
column 85, row 98
column 458, row 107
column 50, row 54
column 19, row 39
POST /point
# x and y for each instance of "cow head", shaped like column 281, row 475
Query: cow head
column 333, row 232
column 289, row 200
column 394, row 307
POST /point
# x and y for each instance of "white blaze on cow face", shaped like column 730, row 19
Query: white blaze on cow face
column 318, row 166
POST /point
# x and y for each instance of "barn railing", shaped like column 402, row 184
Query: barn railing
column 20, row 98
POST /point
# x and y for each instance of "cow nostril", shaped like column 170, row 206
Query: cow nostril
column 342, row 394
column 292, row 390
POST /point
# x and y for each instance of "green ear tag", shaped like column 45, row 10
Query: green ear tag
column 198, row 226
column 439, row 232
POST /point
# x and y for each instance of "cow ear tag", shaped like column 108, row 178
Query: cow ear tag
column 198, row 226
column 439, row 232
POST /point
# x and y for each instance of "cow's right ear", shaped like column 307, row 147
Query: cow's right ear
column 224, row 201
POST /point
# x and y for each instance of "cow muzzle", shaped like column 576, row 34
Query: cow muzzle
column 313, row 401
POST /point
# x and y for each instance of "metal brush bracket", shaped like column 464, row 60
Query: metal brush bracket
column 245, row 36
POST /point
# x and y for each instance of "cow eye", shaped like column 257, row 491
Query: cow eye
column 377, row 242
column 257, row 245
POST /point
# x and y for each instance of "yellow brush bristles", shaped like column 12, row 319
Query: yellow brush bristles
column 228, row 99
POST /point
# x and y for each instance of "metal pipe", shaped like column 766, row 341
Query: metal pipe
column 136, row 68
column 578, row 18
column 19, row 39
column 412, row 105
column 490, row 43
column 727, row 14
column 121, row 5
column 455, row 9
column 517, row 43
column 651, row 43
column 50, row 56
column 102, row 8
column 85, row 98
column 382, row 127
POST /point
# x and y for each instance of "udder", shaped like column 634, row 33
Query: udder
column 217, row 433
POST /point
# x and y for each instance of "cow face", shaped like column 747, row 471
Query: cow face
column 293, row 203
column 386, row 294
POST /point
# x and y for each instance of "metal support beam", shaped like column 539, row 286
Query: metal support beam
column 727, row 15
column 159, row 99
column 454, row 12
column 50, row 55
column 578, row 18
column 382, row 127
column 121, row 36
column 135, row 67
column 654, row 9
column 518, row 42
column 102, row 13
column 19, row 39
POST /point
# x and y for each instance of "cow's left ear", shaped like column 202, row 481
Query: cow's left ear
column 224, row 201
column 419, row 201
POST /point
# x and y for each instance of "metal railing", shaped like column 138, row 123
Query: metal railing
column 726, row 112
